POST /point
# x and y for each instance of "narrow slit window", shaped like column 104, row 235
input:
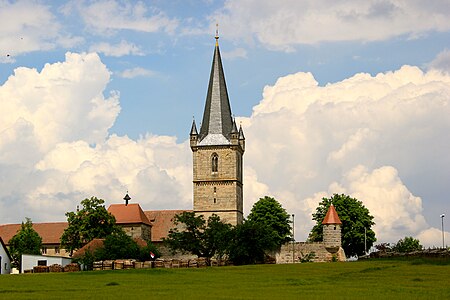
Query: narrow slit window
column 214, row 163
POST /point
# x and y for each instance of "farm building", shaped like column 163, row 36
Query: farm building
column 5, row 259
column 30, row 261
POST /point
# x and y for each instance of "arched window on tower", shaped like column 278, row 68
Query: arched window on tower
column 214, row 163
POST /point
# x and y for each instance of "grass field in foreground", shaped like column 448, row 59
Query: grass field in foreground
column 375, row 279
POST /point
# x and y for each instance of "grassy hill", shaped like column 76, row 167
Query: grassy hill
column 374, row 279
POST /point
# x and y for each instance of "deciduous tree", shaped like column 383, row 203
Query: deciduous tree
column 25, row 241
column 195, row 235
column 250, row 242
column 91, row 221
column 356, row 223
column 269, row 212
column 407, row 244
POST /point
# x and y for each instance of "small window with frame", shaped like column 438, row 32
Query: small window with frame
column 42, row 262
column 214, row 163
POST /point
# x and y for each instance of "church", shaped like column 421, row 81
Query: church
column 217, row 149
column 217, row 152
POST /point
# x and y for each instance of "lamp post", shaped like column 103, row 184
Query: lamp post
column 442, row 226
column 365, row 240
column 293, row 238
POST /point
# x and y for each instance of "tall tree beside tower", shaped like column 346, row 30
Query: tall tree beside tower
column 357, row 233
column 269, row 212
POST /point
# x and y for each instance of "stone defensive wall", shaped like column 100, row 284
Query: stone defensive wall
column 299, row 252
column 443, row 254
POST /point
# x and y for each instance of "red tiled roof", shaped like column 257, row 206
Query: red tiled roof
column 98, row 243
column 331, row 216
column 162, row 221
column 140, row 242
column 128, row 214
column 91, row 247
column 49, row 232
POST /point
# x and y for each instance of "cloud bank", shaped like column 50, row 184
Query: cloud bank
column 363, row 136
column 372, row 137
column 282, row 26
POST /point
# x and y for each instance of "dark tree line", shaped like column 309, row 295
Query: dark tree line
column 266, row 229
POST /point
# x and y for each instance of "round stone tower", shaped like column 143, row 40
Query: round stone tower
column 332, row 230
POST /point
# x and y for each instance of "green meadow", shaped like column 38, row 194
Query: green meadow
column 374, row 279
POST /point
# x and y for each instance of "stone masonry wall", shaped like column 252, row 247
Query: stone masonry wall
column 227, row 168
column 294, row 253
column 138, row 231
column 218, row 192
column 332, row 236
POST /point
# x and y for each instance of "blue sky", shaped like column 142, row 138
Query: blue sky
column 178, row 63
column 158, row 57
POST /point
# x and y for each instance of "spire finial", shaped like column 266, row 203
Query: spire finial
column 217, row 34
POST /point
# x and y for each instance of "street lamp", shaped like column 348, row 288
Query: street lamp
column 293, row 238
column 365, row 240
column 442, row 226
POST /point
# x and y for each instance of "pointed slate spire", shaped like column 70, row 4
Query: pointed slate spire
column 194, row 128
column 217, row 122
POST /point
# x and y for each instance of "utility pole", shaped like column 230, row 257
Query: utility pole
column 293, row 238
column 365, row 240
column 442, row 226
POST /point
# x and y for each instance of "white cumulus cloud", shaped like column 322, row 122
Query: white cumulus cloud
column 29, row 26
column 136, row 72
column 56, row 150
column 284, row 24
column 121, row 49
column 108, row 16
column 441, row 61
column 376, row 138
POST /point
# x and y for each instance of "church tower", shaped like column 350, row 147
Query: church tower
column 217, row 153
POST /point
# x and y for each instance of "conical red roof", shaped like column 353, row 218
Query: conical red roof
column 332, row 216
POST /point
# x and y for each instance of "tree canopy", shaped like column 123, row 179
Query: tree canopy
column 269, row 212
column 407, row 244
column 91, row 221
column 118, row 245
column 198, row 236
column 356, row 223
column 25, row 241
column 250, row 241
